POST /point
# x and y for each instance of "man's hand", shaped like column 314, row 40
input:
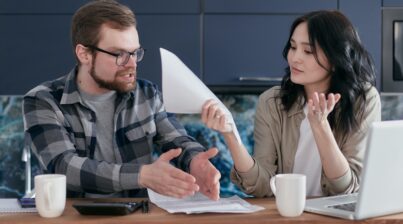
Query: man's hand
column 207, row 176
column 166, row 179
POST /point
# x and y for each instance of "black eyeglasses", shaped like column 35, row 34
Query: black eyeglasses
column 123, row 56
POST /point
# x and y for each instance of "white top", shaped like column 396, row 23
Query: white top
column 307, row 160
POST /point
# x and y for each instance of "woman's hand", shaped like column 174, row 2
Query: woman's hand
column 319, row 107
column 215, row 118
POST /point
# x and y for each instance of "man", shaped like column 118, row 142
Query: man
column 98, row 123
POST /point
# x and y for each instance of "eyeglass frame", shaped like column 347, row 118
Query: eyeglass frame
column 117, row 55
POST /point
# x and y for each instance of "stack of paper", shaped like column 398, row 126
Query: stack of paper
column 201, row 204
column 12, row 205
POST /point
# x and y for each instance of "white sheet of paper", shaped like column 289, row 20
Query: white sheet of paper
column 11, row 205
column 199, row 203
column 184, row 92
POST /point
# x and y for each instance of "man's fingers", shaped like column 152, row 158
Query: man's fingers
column 181, row 175
column 212, row 191
column 208, row 154
column 174, row 191
column 180, row 183
column 215, row 192
column 217, row 178
column 168, row 156
column 211, row 152
column 174, row 182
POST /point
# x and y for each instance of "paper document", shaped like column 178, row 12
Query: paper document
column 201, row 204
column 184, row 92
column 12, row 205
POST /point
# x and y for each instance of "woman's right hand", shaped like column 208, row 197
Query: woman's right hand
column 215, row 118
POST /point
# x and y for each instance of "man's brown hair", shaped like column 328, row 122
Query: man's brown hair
column 88, row 19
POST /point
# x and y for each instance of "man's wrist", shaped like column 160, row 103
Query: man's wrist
column 141, row 178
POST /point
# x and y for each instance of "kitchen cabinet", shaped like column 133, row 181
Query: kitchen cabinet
column 392, row 3
column 244, row 40
column 177, row 33
column 34, row 48
column 227, row 43
column 35, row 41
column 366, row 18
column 173, row 25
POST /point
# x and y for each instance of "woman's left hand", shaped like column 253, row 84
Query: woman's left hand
column 319, row 107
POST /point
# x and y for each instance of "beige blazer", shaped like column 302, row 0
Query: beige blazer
column 276, row 136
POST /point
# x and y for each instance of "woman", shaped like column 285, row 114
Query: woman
column 316, row 123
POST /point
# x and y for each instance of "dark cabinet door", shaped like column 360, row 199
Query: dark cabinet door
column 239, row 48
column 35, row 43
column 35, row 39
column 34, row 49
column 392, row 3
column 243, row 40
column 267, row 6
column 29, row 7
column 173, row 25
column 177, row 33
column 366, row 18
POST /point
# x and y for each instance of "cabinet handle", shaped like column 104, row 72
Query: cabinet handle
column 261, row 79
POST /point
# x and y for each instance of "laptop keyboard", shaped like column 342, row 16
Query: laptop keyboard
column 345, row 202
column 347, row 207
column 344, row 198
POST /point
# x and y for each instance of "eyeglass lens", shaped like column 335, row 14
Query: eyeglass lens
column 124, row 56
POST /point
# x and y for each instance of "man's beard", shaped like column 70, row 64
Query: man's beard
column 116, row 85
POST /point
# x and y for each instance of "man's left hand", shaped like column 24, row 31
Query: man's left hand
column 207, row 176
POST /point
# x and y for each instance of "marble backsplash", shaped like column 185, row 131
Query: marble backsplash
column 12, row 174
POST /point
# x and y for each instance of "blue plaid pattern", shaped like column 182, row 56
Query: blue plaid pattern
column 61, row 132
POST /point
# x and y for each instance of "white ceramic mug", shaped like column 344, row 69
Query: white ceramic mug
column 290, row 193
column 50, row 194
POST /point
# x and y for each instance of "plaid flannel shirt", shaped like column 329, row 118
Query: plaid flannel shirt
column 61, row 132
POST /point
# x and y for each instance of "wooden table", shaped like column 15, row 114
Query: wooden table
column 157, row 215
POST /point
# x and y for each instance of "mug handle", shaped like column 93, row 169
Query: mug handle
column 273, row 185
column 48, row 189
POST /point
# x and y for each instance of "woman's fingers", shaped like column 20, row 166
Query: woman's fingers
column 322, row 105
column 205, row 110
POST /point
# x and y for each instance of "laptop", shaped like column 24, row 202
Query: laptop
column 381, row 179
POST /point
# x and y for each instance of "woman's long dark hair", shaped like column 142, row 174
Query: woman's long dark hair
column 352, row 69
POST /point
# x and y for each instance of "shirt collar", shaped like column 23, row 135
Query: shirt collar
column 71, row 94
column 297, row 107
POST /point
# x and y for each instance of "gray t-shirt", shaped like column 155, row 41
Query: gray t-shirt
column 104, row 108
